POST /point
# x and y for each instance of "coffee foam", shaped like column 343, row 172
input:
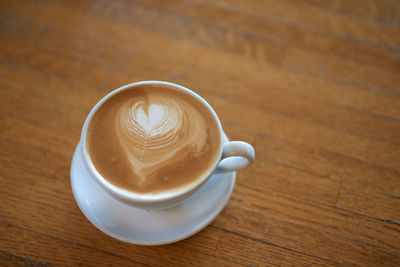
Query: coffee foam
column 155, row 139
column 152, row 131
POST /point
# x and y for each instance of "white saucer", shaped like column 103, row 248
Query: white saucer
column 142, row 227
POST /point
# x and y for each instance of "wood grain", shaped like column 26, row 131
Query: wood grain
column 369, row 203
column 313, row 85
column 10, row 259
column 380, row 11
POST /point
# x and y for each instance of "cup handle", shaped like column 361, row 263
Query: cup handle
column 236, row 155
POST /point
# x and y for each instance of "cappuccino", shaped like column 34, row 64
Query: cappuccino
column 153, row 138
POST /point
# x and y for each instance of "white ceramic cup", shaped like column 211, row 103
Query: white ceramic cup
column 234, row 155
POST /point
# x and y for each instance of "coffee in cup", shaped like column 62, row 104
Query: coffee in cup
column 153, row 138
column 152, row 144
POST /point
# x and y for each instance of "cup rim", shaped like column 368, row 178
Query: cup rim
column 149, row 197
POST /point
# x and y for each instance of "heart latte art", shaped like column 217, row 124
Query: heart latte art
column 153, row 133
column 152, row 139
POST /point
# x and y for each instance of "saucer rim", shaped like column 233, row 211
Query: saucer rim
column 211, row 216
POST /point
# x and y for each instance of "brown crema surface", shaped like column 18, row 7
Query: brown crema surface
column 152, row 139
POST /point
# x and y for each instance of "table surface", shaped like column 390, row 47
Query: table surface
column 313, row 85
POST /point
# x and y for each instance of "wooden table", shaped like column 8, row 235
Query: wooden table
column 313, row 85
